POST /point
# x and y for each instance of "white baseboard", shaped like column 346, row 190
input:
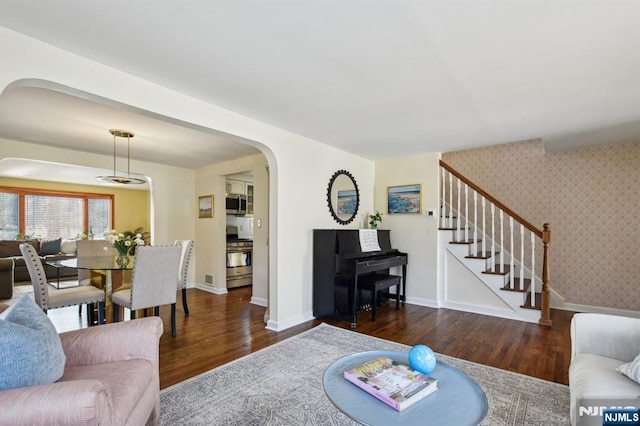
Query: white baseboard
column 259, row 301
column 493, row 312
column 283, row 325
column 557, row 303
column 596, row 310
column 422, row 302
column 209, row 289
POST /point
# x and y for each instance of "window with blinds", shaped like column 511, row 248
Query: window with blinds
column 9, row 215
column 49, row 215
column 99, row 216
column 53, row 217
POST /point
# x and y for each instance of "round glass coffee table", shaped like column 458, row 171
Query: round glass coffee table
column 458, row 401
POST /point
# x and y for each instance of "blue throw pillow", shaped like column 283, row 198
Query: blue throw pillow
column 631, row 369
column 30, row 348
column 50, row 247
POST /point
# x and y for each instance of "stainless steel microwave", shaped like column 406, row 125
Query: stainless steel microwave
column 236, row 204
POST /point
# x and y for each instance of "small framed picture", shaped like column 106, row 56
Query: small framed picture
column 205, row 206
column 404, row 199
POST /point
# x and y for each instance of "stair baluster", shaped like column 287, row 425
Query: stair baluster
column 484, row 236
column 458, row 225
column 493, row 232
column 475, row 222
column 443, row 209
column 466, row 211
column 450, row 201
column 511, row 260
column 501, row 237
column 533, row 266
column 522, row 286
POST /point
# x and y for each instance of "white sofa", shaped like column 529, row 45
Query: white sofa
column 599, row 344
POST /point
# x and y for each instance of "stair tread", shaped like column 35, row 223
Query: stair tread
column 480, row 255
column 498, row 270
column 465, row 242
column 536, row 306
column 518, row 286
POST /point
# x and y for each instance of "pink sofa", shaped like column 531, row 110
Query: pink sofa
column 111, row 377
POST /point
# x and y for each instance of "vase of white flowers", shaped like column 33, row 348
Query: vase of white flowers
column 125, row 243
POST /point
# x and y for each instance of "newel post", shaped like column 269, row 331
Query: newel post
column 545, row 316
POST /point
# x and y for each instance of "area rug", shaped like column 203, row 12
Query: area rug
column 282, row 385
column 22, row 288
column 18, row 292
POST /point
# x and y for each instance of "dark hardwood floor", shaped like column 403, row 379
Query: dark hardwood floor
column 221, row 328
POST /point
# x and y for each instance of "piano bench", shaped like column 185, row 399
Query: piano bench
column 376, row 282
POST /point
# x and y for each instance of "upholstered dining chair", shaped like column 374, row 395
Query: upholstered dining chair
column 153, row 282
column 185, row 258
column 50, row 298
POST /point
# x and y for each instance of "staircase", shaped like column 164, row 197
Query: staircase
column 497, row 246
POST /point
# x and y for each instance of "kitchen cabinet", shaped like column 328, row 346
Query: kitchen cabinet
column 236, row 186
column 249, row 198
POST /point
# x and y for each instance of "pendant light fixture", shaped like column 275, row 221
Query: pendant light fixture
column 121, row 180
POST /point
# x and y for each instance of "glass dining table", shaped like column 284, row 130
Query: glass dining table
column 107, row 266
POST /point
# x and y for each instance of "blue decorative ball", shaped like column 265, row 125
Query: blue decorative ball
column 422, row 359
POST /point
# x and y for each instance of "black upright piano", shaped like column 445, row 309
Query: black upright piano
column 338, row 263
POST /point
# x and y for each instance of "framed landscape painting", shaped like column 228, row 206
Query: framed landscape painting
column 205, row 206
column 404, row 199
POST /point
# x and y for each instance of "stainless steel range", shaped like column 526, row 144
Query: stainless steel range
column 239, row 259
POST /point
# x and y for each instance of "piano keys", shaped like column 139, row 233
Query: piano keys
column 338, row 264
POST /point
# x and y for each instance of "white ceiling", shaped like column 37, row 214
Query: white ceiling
column 379, row 78
column 43, row 116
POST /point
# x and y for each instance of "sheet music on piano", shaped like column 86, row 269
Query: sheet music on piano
column 369, row 240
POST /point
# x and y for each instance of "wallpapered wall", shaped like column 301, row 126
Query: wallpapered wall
column 591, row 198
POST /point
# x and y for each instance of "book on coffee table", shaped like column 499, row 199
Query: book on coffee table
column 393, row 383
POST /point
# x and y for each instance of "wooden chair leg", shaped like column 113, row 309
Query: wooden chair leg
column 173, row 319
column 90, row 314
column 184, row 301
column 100, row 312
